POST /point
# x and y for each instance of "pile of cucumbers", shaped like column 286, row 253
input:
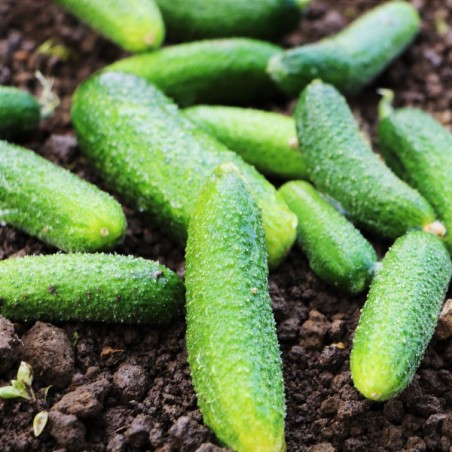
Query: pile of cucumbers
column 198, row 171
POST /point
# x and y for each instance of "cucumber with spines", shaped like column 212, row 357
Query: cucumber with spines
column 264, row 139
column 218, row 71
column 232, row 346
column 419, row 150
column 336, row 250
column 158, row 160
column 400, row 314
column 56, row 206
column 342, row 165
column 354, row 57
column 19, row 112
column 89, row 287
column 135, row 25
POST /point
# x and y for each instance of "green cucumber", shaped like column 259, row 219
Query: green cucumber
column 264, row 139
column 354, row 57
column 400, row 315
column 336, row 250
column 19, row 112
column 135, row 25
column 222, row 71
column 232, row 346
column 56, row 206
column 419, row 150
column 89, row 287
column 158, row 160
column 342, row 165
column 198, row 19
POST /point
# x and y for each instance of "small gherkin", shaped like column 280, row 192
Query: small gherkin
column 419, row 150
column 342, row 165
column 89, row 287
column 231, row 339
column 56, row 206
column 400, row 314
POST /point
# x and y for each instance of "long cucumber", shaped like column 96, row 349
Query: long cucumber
column 231, row 340
column 158, row 160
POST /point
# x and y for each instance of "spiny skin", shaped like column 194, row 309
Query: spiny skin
column 336, row 250
column 56, row 206
column 89, row 287
column 135, row 25
column 231, row 340
column 198, row 19
column 342, row 165
column 158, row 160
column 354, row 57
column 265, row 139
column 19, row 112
column 400, row 315
column 223, row 71
column 419, row 150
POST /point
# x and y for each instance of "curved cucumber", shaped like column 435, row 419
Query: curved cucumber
column 19, row 112
column 231, row 340
column 56, row 206
column 135, row 25
column 158, row 160
column 354, row 57
column 400, row 315
column 342, row 165
column 336, row 250
column 223, row 71
column 94, row 287
column 266, row 140
column 197, row 19
column 419, row 149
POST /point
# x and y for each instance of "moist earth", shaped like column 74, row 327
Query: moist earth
column 126, row 388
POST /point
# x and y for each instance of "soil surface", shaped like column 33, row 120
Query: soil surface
column 119, row 388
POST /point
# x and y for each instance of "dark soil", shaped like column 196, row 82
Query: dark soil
column 120, row 388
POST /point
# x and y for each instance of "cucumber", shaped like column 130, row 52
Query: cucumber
column 419, row 150
column 158, row 160
column 19, row 112
column 400, row 314
column 134, row 25
column 264, row 139
column 197, row 19
column 342, row 165
column 336, row 250
column 223, row 71
column 232, row 347
column 89, row 287
column 56, row 206
column 354, row 57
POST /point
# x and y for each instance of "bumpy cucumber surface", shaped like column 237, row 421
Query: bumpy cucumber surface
column 336, row 250
column 94, row 287
column 197, row 19
column 135, row 25
column 266, row 140
column 158, row 160
column 342, row 165
column 223, row 71
column 400, row 315
column 419, row 150
column 231, row 340
column 19, row 112
column 56, row 206
column 354, row 57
